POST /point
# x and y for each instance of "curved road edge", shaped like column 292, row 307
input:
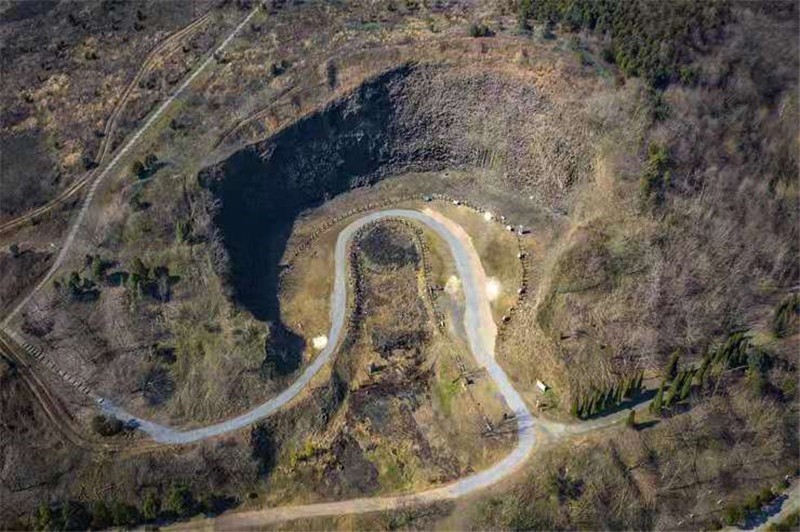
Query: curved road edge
column 480, row 337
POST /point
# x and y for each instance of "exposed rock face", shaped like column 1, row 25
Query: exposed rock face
column 414, row 118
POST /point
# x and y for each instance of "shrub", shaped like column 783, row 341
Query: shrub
column 180, row 501
column 43, row 519
column 101, row 516
column 151, row 506
column 786, row 316
column 277, row 69
column 656, row 176
column 672, row 366
column 139, row 269
column 182, row 231
column 733, row 515
column 107, row 426
column 479, row 30
column 143, row 170
column 123, row 514
column 137, row 168
column 686, row 388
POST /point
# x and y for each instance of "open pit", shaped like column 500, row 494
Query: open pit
column 412, row 118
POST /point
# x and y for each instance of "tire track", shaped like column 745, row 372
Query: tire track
column 99, row 178
column 103, row 151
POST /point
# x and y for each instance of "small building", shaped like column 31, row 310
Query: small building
column 542, row 386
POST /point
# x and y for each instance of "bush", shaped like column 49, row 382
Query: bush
column 137, row 168
column 734, row 515
column 180, row 501
column 124, row 515
column 151, row 506
column 656, row 176
column 107, row 426
column 143, row 170
column 78, row 288
column 479, row 30
column 279, row 68
column 43, row 519
column 101, row 516
column 785, row 318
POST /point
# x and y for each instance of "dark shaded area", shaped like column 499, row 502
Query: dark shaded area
column 215, row 504
column 19, row 273
column 264, row 448
column 386, row 246
column 283, row 350
column 28, row 174
column 351, row 473
column 352, row 142
column 386, row 341
column 157, row 385
column 25, row 9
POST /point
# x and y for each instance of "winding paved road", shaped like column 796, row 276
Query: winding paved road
column 481, row 332
column 481, row 335
column 481, row 338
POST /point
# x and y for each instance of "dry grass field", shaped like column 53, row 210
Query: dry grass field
column 658, row 182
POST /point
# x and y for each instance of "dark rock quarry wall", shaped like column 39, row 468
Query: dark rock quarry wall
column 414, row 118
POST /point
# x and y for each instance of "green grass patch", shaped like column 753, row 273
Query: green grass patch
column 446, row 390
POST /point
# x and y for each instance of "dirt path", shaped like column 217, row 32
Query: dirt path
column 111, row 124
column 100, row 177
